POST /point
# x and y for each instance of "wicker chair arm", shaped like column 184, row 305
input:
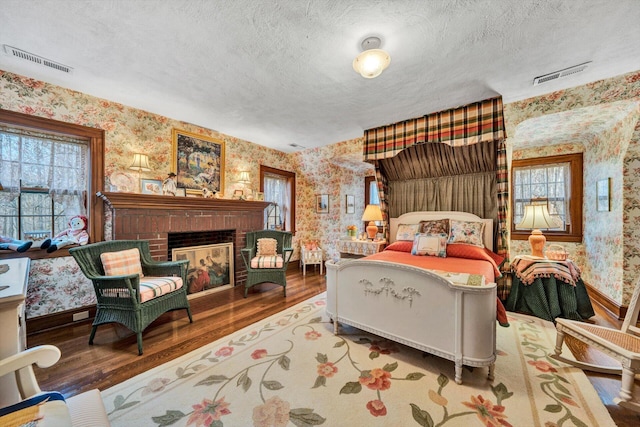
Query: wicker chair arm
column 287, row 254
column 247, row 256
column 166, row 268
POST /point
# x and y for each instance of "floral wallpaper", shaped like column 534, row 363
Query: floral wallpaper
column 129, row 130
column 337, row 170
column 600, row 119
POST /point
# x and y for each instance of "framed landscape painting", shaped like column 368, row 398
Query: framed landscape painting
column 210, row 267
column 199, row 161
column 351, row 204
column 322, row 203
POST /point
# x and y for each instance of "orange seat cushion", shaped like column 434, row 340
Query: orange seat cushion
column 274, row 261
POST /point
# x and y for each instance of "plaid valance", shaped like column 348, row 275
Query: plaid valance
column 473, row 123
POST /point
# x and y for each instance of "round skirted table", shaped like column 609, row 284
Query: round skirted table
column 548, row 289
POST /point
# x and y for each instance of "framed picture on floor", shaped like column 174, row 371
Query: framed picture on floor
column 198, row 161
column 210, row 267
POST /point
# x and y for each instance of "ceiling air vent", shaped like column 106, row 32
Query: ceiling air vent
column 560, row 74
column 18, row 53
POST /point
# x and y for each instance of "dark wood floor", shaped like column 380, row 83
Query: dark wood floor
column 114, row 358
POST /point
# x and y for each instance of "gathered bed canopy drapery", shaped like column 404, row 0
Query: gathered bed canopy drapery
column 450, row 160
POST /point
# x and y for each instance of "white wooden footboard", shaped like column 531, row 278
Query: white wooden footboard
column 416, row 307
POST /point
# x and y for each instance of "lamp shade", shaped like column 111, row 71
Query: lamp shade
column 371, row 63
column 372, row 213
column 140, row 163
column 244, row 177
column 536, row 217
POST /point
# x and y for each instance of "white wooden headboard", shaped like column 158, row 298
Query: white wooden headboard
column 416, row 217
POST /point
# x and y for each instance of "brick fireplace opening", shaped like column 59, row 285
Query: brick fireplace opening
column 167, row 221
column 199, row 238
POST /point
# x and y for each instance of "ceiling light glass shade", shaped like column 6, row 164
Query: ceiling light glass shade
column 140, row 163
column 371, row 63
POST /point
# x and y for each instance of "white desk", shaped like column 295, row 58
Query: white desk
column 14, row 274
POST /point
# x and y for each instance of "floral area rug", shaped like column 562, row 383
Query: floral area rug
column 291, row 370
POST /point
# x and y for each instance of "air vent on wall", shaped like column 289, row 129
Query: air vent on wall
column 19, row 53
column 560, row 74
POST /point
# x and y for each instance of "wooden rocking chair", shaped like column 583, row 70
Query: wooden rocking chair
column 622, row 345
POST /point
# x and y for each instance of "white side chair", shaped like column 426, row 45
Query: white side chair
column 622, row 345
column 83, row 410
column 310, row 257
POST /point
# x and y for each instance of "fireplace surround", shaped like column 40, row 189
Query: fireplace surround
column 189, row 221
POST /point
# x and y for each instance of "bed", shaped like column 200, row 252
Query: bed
column 445, row 306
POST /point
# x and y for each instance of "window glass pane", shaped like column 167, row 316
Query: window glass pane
column 36, row 214
column 275, row 191
column 548, row 182
column 374, row 197
column 8, row 215
column 45, row 183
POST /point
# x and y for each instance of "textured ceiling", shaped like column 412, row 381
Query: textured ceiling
column 279, row 72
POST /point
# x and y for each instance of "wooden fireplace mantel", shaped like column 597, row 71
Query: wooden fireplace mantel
column 150, row 201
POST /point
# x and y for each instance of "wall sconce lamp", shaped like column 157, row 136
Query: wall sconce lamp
column 372, row 61
column 536, row 216
column 141, row 164
column 372, row 213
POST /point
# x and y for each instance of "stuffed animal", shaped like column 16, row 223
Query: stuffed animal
column 14, row 244
column 76, row 234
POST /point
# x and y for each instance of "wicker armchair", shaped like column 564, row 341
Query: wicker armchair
column 257, row 272
column 119, row 296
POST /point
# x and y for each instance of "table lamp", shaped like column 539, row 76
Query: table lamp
column 140, row 163
column 536, row 217
column 372, row 213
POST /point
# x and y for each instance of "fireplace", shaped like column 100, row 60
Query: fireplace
column 170, row 222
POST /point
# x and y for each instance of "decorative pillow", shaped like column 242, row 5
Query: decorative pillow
column 400, row 246
column 435, row 226
column 461, row 250
column 122, row 263
column 267, row 247
column 407, row 231
column 430, row 244
column 467, row 232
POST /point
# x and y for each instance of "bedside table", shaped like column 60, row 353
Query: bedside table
column 547, row 289
column 358, row 248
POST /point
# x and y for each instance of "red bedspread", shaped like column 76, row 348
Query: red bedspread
column 452, row 264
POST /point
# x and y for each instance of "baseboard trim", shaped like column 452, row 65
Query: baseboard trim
column 617, row 310
column 57, row 320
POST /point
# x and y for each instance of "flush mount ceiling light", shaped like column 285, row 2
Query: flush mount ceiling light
column 372, row 61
